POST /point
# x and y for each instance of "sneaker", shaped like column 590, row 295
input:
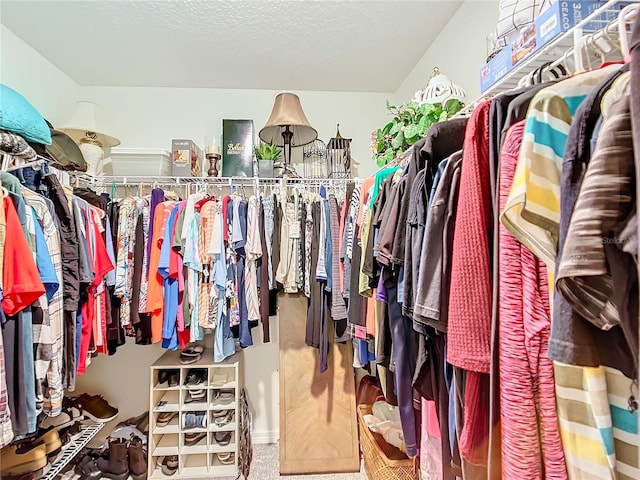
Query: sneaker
column 22, row 458
column 96, row 408
column 69, row 415
column 51, row 441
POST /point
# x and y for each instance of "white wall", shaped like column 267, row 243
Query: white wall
column 459, row 51
column 46, row 87
column 151, row 117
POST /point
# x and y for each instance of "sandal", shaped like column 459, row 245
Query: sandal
column 195, row 395
column 169, row 464
column 222, row 438
column 195, row 377
column 190, row 439
column 186, row 359
column 192, row 351
column 222, row 417
column 165, row 418
column 226, row 458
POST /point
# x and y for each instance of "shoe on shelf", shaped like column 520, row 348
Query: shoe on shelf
column 68, row 416
column 191, row 439
column 226, row 458
column 96, row 408
column 22, row 459
column 222, row 417
column 116, row 467
column 198, row 395
column 169, row 464
column 165, row 418
column 69, row 434
column 222, row 438
column 196, row 376
column 168, row 378
column 137, row 459
column 50, row 439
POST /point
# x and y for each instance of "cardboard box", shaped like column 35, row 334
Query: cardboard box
column 187, row 158
column 558, row 18
column 237, row 148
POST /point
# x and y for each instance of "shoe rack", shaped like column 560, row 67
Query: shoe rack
column 218, row 404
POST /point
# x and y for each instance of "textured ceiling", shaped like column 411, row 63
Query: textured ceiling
column 367, row 46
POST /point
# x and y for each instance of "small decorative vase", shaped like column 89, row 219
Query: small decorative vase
column 265, row 168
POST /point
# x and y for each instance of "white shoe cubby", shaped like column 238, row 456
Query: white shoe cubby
column 199, row 445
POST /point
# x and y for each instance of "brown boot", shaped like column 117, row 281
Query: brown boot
column 117, row 467
column 137, row 460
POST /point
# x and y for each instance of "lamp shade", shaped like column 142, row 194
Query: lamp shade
column 90, row 122
column 287, row 111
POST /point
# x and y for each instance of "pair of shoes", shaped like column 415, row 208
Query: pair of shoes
column 191, row 439
column 164, row 418
column 191, row 354
column 95, row 407
column 194, row 420
column 224, row 395
column 168, row 378
column 198, row 395
column 226, row 458
column 222, row 438
column 69, row 415
column 196, row 376
column 169, row 464
column 222, row 417
column 70, row 434
column 124, row 458
column 22, row 458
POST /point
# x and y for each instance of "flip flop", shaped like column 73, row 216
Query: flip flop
column 186, row 359
column 191, row 439
column 165, row 418
column 192, row 351
column 226, row 458
column 222, row 438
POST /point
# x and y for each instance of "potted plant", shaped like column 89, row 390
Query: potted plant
column 266, row 153
column 409, row 124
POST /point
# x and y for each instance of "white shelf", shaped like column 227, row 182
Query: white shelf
column 73, row 448
column 167, row 445
column 199, row 460
column 550, row 52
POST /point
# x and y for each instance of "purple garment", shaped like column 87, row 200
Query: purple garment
column 157, row 196
column 381, row 293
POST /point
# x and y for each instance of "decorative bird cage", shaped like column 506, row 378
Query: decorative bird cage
column 339, row 156
column 314, row 159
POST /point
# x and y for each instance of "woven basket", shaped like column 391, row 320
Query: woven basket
column 376, row 462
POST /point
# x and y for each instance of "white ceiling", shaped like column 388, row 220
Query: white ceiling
column 358, row 45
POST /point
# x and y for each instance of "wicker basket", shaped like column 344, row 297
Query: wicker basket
column 377, row 463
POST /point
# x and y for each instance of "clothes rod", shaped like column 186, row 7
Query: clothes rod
column 222, row 181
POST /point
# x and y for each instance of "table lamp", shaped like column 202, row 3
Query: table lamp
column 89, row 127
column 288, row 126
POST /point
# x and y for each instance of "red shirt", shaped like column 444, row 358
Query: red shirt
column 21, row 283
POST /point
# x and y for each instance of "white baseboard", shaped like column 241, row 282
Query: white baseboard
column 265, row 436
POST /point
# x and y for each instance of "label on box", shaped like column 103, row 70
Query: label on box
column 237, row 153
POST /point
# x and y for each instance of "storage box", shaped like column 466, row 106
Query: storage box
column 237, row 148
column 140, row 161
column 558, row 18
column 187, row 158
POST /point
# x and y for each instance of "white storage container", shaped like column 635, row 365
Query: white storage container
column 140, row 161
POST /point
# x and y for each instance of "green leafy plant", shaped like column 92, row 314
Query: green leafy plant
column 267, row 151
column 409, row 124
